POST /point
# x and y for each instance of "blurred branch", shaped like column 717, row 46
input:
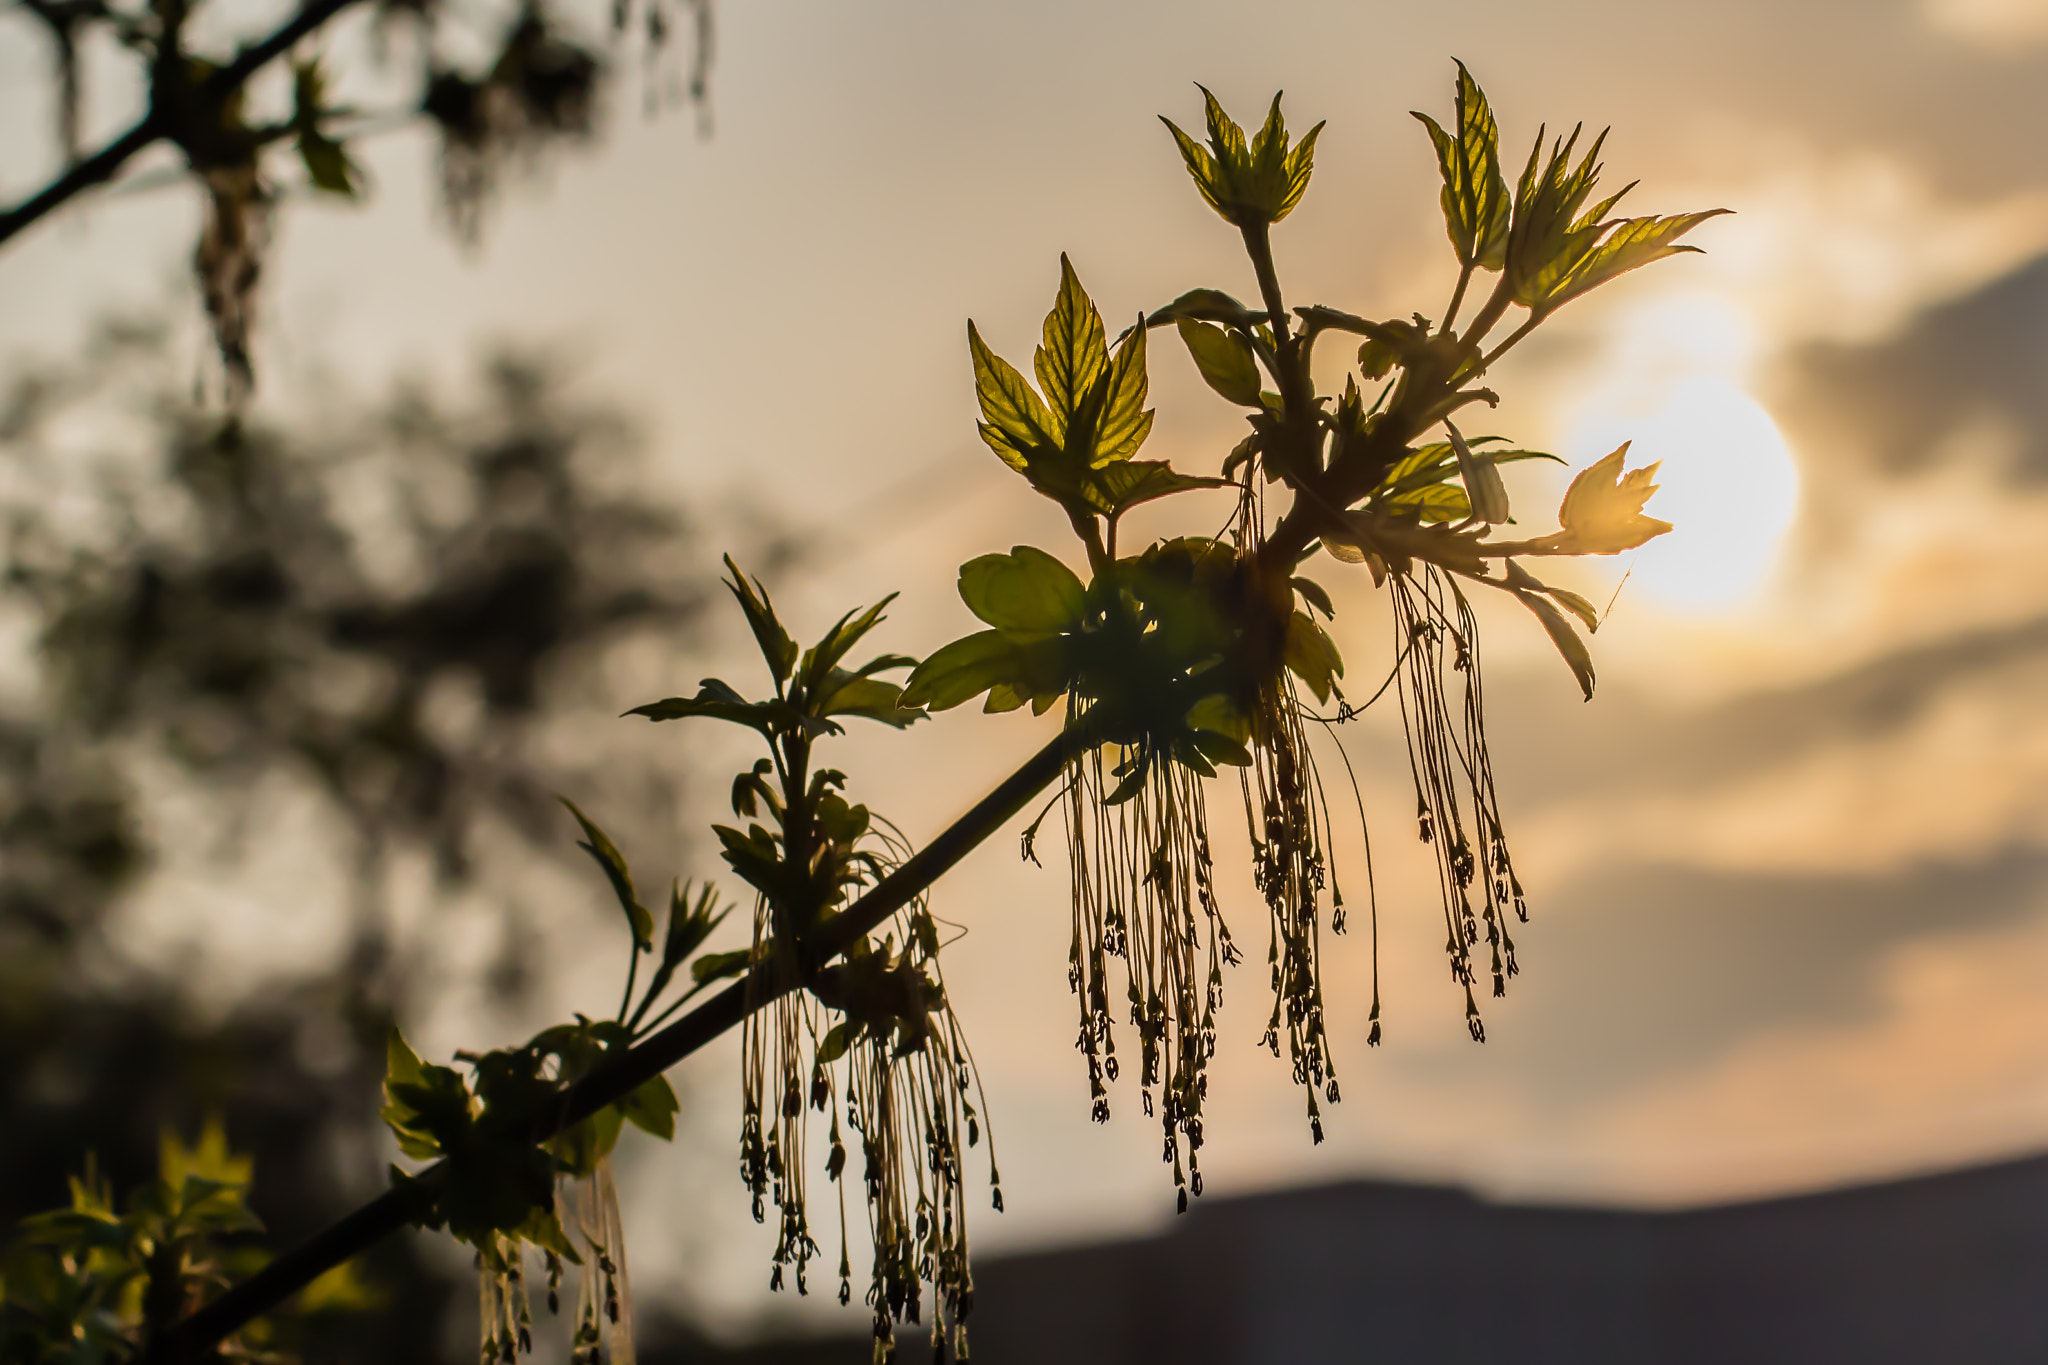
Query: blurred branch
column 188, row 1341
column 104, row 164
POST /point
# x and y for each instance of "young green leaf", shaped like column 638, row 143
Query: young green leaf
column 716, row 700
column 1549, row 236
column 1017, row 425
column 653, row 1108
column 777, row 648
column 606, row 855
column 1475, row 196
column 718, row 966
column 1565, row 638
column 1634, row 242
column 1073, row 356
column 1025, row 592
column 1250, row 186
column 1115, row 489
column 1225, row 359
column 1125, row 421
column 962, row 670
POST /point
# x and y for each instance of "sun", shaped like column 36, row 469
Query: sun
column 1672, row 382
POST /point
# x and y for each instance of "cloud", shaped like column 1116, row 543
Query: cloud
column 1651, row 973
column 1973, row 364
column 1994, row 25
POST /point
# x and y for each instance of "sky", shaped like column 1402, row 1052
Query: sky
column 1788, row 869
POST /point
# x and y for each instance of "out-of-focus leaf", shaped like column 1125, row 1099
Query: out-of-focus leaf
column 206, row 1159
column 716, row 700
column 653, row 1108
column 1565, row 638
column 1225, row 360
column 718, row 966
column 1483, row 486
column 1311, row 655
column 1025, row 592
column 1219, row 715
column 1316, row 596
column 639, row 919
column 1475, row 196
column 328, row 166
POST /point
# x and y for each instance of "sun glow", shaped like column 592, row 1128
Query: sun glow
column 1672, row 383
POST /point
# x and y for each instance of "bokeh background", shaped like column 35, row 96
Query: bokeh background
column 1789, row 869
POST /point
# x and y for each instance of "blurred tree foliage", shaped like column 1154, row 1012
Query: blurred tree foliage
column 500, row 83
column 407, row 614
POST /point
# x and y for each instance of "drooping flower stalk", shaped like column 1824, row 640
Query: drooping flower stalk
column 1457, row 812
column 604, row 1295
column 1137, row 831
column 1289, row 831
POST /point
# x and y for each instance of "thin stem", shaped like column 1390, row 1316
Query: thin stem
column 1497, row 352
column 632, row 972
column 102, row 165
column 189, row 1341
column 1457, row 297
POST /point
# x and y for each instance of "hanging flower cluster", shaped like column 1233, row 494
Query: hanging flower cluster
column 1195, row 652
column 870, row 1041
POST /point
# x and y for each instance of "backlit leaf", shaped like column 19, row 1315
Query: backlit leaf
column 1124, row 422
column 1634, row 242
column 1073, row 355
column 1016, row 421
column 962, row 670
column 1027, row 591
column 1117, row 488
column 1225, row 360
column 1475, row 196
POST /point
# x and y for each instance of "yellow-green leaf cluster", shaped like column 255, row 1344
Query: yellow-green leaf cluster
column 1251, row 185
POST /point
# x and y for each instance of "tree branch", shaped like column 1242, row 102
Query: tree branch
column 189, row 1341
column 102, row 165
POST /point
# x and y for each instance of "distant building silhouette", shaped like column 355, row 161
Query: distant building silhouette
column 1949, row 1269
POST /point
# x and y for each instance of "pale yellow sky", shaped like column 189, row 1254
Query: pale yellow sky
column 1789, row 869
